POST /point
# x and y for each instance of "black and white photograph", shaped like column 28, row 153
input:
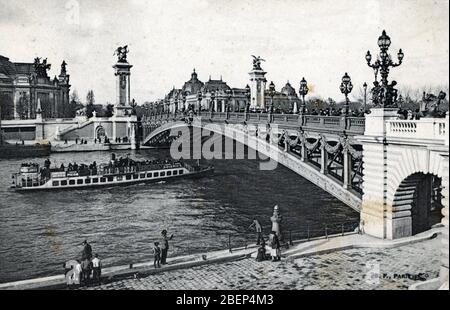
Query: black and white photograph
column 239, row 147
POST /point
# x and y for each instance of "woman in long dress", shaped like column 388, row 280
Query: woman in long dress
column 275, row 246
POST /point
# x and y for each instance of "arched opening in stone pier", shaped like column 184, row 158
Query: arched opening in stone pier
column 417, row 204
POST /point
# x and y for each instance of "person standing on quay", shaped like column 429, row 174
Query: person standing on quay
column 275, row 247
column 157, row 255
column 87, row 251
column 165, row 246
column 258, row 229
column 97, row 269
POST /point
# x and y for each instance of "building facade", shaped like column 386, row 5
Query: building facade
column 22, row 85
column 218, row 96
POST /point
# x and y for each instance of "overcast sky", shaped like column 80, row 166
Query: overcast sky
column 320, row 39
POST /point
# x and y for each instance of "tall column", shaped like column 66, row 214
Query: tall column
column 122, row 73
column 257, row 89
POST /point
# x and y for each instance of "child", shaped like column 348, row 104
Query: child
column 157, row 255
column 97, row 267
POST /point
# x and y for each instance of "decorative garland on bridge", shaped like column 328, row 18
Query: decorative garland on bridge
column 330, row 149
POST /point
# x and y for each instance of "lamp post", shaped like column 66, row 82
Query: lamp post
column 271, row 95
column 385, row 97
column 211, row 108
column 227, row 102
column 184, row 102
column 346, row 88
column 303, row 91
column 247, row 103
column 199, row 98
column 365, row 96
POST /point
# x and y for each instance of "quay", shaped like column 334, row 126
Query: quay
column 345, row 262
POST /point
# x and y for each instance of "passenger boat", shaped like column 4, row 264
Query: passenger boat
column 32, row 177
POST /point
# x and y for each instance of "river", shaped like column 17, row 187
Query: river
column 41, row 230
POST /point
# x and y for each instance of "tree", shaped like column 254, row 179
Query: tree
column 90, row 100
column 74, row 103
column 109, row 110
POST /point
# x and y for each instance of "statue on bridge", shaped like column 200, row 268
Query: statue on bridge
column 121, row 53
column 257, row 62
column 384, row 95
column 429, row 107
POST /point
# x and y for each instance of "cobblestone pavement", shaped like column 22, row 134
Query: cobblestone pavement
column 348, row 269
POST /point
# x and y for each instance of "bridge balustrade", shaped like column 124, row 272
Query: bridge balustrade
column 425, row 128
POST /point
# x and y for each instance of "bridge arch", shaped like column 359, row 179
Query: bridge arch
column 247, row 136
column 414, row 182
column 417, row 204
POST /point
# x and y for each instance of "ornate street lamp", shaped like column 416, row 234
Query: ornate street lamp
column 199, row 98
column 303, row 91
column 176, row 105
column 346, row 88
column 384, row 93
column 228, row 99
column 365, row 96
column 248, row 96
column 213, row 99
column 271, row 95
column 184, row 102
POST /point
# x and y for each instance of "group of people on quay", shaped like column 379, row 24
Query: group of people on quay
column 160, row 252
column 87, row 270
column 273, row 240
column 99, row 140
column 78, row 273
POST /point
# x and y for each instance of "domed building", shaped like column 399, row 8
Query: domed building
column 289, row 91
column 213, row 95
column 193, row 86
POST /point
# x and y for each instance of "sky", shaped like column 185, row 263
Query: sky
column 316, row 39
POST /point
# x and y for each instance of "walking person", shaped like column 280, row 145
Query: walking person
column 97, row 269
column 165, row 246
column 258, row 229
column 157, row 255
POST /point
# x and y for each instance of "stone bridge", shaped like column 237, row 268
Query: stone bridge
column 320, row 149
column 395, row 172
